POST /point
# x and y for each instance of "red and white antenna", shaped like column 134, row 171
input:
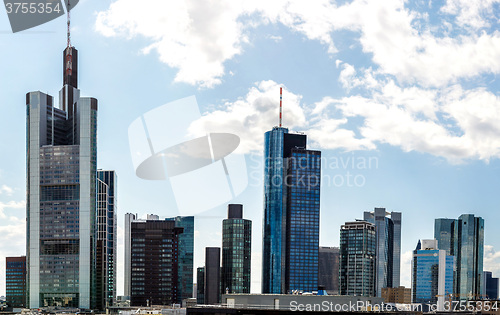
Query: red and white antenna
column 281, row 105
column 69, row 16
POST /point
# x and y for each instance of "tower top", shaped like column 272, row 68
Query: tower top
column 281, row 106
column 69, row 23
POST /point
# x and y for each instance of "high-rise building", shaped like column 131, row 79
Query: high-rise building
column 212, row 292
column 61, row 194
column 388, row 229
column 236, row 251
column 400, row 295
column 432, row 274
column 357, row 258
column 186, row 250
column 200, row 285
column 154, row 266
column 329, row 259
column 491, row 285
column 127, row 281
column 466, row 243
column 106, row 239
column 15, row 281
column 291, row 193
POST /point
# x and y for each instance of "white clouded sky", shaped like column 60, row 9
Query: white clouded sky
column 413, row 84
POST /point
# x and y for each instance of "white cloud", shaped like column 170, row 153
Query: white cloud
column 473, row 14
column 406, row 258
column 4, row 189
column 11, row 205
column 197, row 38
column 13, row 244
column 491, row 261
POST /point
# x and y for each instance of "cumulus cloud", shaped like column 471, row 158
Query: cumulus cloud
column 491, row 261
column 4, row 215
column 4, row 189
column 197, row 38
column 406, row 258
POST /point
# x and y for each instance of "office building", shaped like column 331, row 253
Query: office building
column 464, row 238
column 432, row 274
column 291, row 192
column 400, row 295
column 200, row 285
column 357, row 258
column 129, row 218
column 154, row 265
column 329, row 269
column 186, row 250
column 61, row 194
column 236, row 251
column 212, row 292
column 491, row 286
column 388, row 229
column 15, row 281
column 106, row 239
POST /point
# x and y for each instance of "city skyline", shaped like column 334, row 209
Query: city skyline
column 324, row 74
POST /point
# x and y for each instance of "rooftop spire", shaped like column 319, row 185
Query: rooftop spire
column 69, row 21
column 281, row 99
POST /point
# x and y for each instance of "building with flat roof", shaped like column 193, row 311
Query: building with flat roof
column 15, row 281
column 328, row 271
column 400, row 295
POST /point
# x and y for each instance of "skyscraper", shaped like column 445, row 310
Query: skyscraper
column 466, row 243
column 61, row 194
column 236, row 251
column 129, row 218
column 291, row 192
column 388, row 229
column 200, row 285
column 15, row 281
column 357, row 258
column 154, row 266
column 186, row 250
column 329, row 259
column 491, row 285
column 212, row 275
column 106, row 239
column 432, row 274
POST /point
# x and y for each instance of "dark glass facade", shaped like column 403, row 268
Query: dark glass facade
column 236, row 251
column 491, row 286
column 200, row 285
column 464, row 238
column 357, row 258
column 15, row 281
column 186, row 249
column 106, row 239
column 328, row 274
column 61, row 195
column 302, row 220
column 154, row 266
column 388, row 264
column 212, row 292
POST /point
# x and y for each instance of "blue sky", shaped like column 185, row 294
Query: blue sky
column 412, row 86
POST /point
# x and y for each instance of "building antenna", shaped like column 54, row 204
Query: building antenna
column 281, row 106
column 69, row 18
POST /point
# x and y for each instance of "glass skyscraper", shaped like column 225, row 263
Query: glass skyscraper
column 106, row 239
column 15, row 281
column 432, row 274
column 357, row 258
column 186, row 250
column 61, row 194
column 465, row 239
column 287, row 200
column 388, row 264
column 236, row 251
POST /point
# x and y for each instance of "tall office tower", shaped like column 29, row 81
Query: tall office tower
column 466, row 243
column 291, row 192
column 15, row 281
column 200, row 285
column 388, row 229
column 329, row 259
column 61, row 194
column 432, row 274
column 186, row 250
column 212, row 275
column 357, row 258
column 236, row 251
column 106, row 239
column 129, row 218
column 154, row 266
column 491, row 285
